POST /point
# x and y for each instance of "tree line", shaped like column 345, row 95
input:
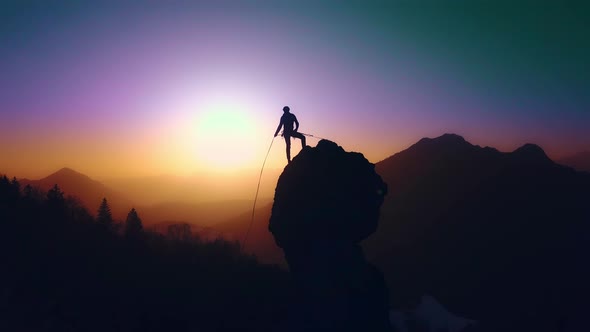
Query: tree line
column 66, row 269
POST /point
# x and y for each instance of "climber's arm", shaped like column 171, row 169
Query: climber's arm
column 279, row 127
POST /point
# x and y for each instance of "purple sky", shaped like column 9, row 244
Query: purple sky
column 106, row 88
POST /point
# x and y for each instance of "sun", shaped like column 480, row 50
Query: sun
column 225, row 138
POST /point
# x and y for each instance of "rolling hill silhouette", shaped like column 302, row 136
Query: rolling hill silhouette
column 487, row 233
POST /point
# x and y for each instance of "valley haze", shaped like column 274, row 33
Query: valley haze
column 217, row 204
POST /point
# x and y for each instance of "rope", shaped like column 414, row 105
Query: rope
column 310, row 135
column 304, row 134
column 256, row 196
column 258, row 188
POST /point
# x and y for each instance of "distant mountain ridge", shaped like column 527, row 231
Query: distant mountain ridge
column 91, row 192
column 475, row 226
column 449, row 145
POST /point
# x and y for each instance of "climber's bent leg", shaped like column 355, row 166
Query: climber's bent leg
column 301, row 137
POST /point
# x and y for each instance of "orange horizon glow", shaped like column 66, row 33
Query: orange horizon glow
column 192, row 148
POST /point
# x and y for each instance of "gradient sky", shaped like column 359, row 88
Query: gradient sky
column 181, row 87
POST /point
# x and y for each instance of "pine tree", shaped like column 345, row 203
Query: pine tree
column 133, row 224
column 4, row 182
column 179, row 232
column 56, row 202
column 10, row 189
column 55, row 195
column 15, row 186
column 5, row 189
column 28, row 191
column 104, row 215
column 32, row 194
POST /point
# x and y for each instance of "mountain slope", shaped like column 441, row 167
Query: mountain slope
column 475, row 227
column 579, row 161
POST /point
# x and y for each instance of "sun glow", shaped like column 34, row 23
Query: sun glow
column 225, row 138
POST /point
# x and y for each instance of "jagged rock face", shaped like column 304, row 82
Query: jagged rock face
column 326, row 201
column 326, row 195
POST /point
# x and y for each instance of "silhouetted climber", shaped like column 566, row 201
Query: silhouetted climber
column 326, row 201
column 287, row 121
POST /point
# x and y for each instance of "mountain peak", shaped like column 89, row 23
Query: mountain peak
column 89, row 191
column 445, row 144
column 450, row 137
column 67, row 172
column 531, row 152
column 443, row 140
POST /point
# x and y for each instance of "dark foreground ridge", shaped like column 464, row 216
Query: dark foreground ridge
column 327, row 201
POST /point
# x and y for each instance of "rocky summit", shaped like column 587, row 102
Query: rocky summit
column 326, row 201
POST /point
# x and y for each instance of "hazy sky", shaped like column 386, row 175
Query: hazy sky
column 137, row 88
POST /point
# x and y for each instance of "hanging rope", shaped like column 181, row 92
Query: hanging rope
column 256, row 196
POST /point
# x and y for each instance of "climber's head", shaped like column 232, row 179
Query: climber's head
column 286, row 109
